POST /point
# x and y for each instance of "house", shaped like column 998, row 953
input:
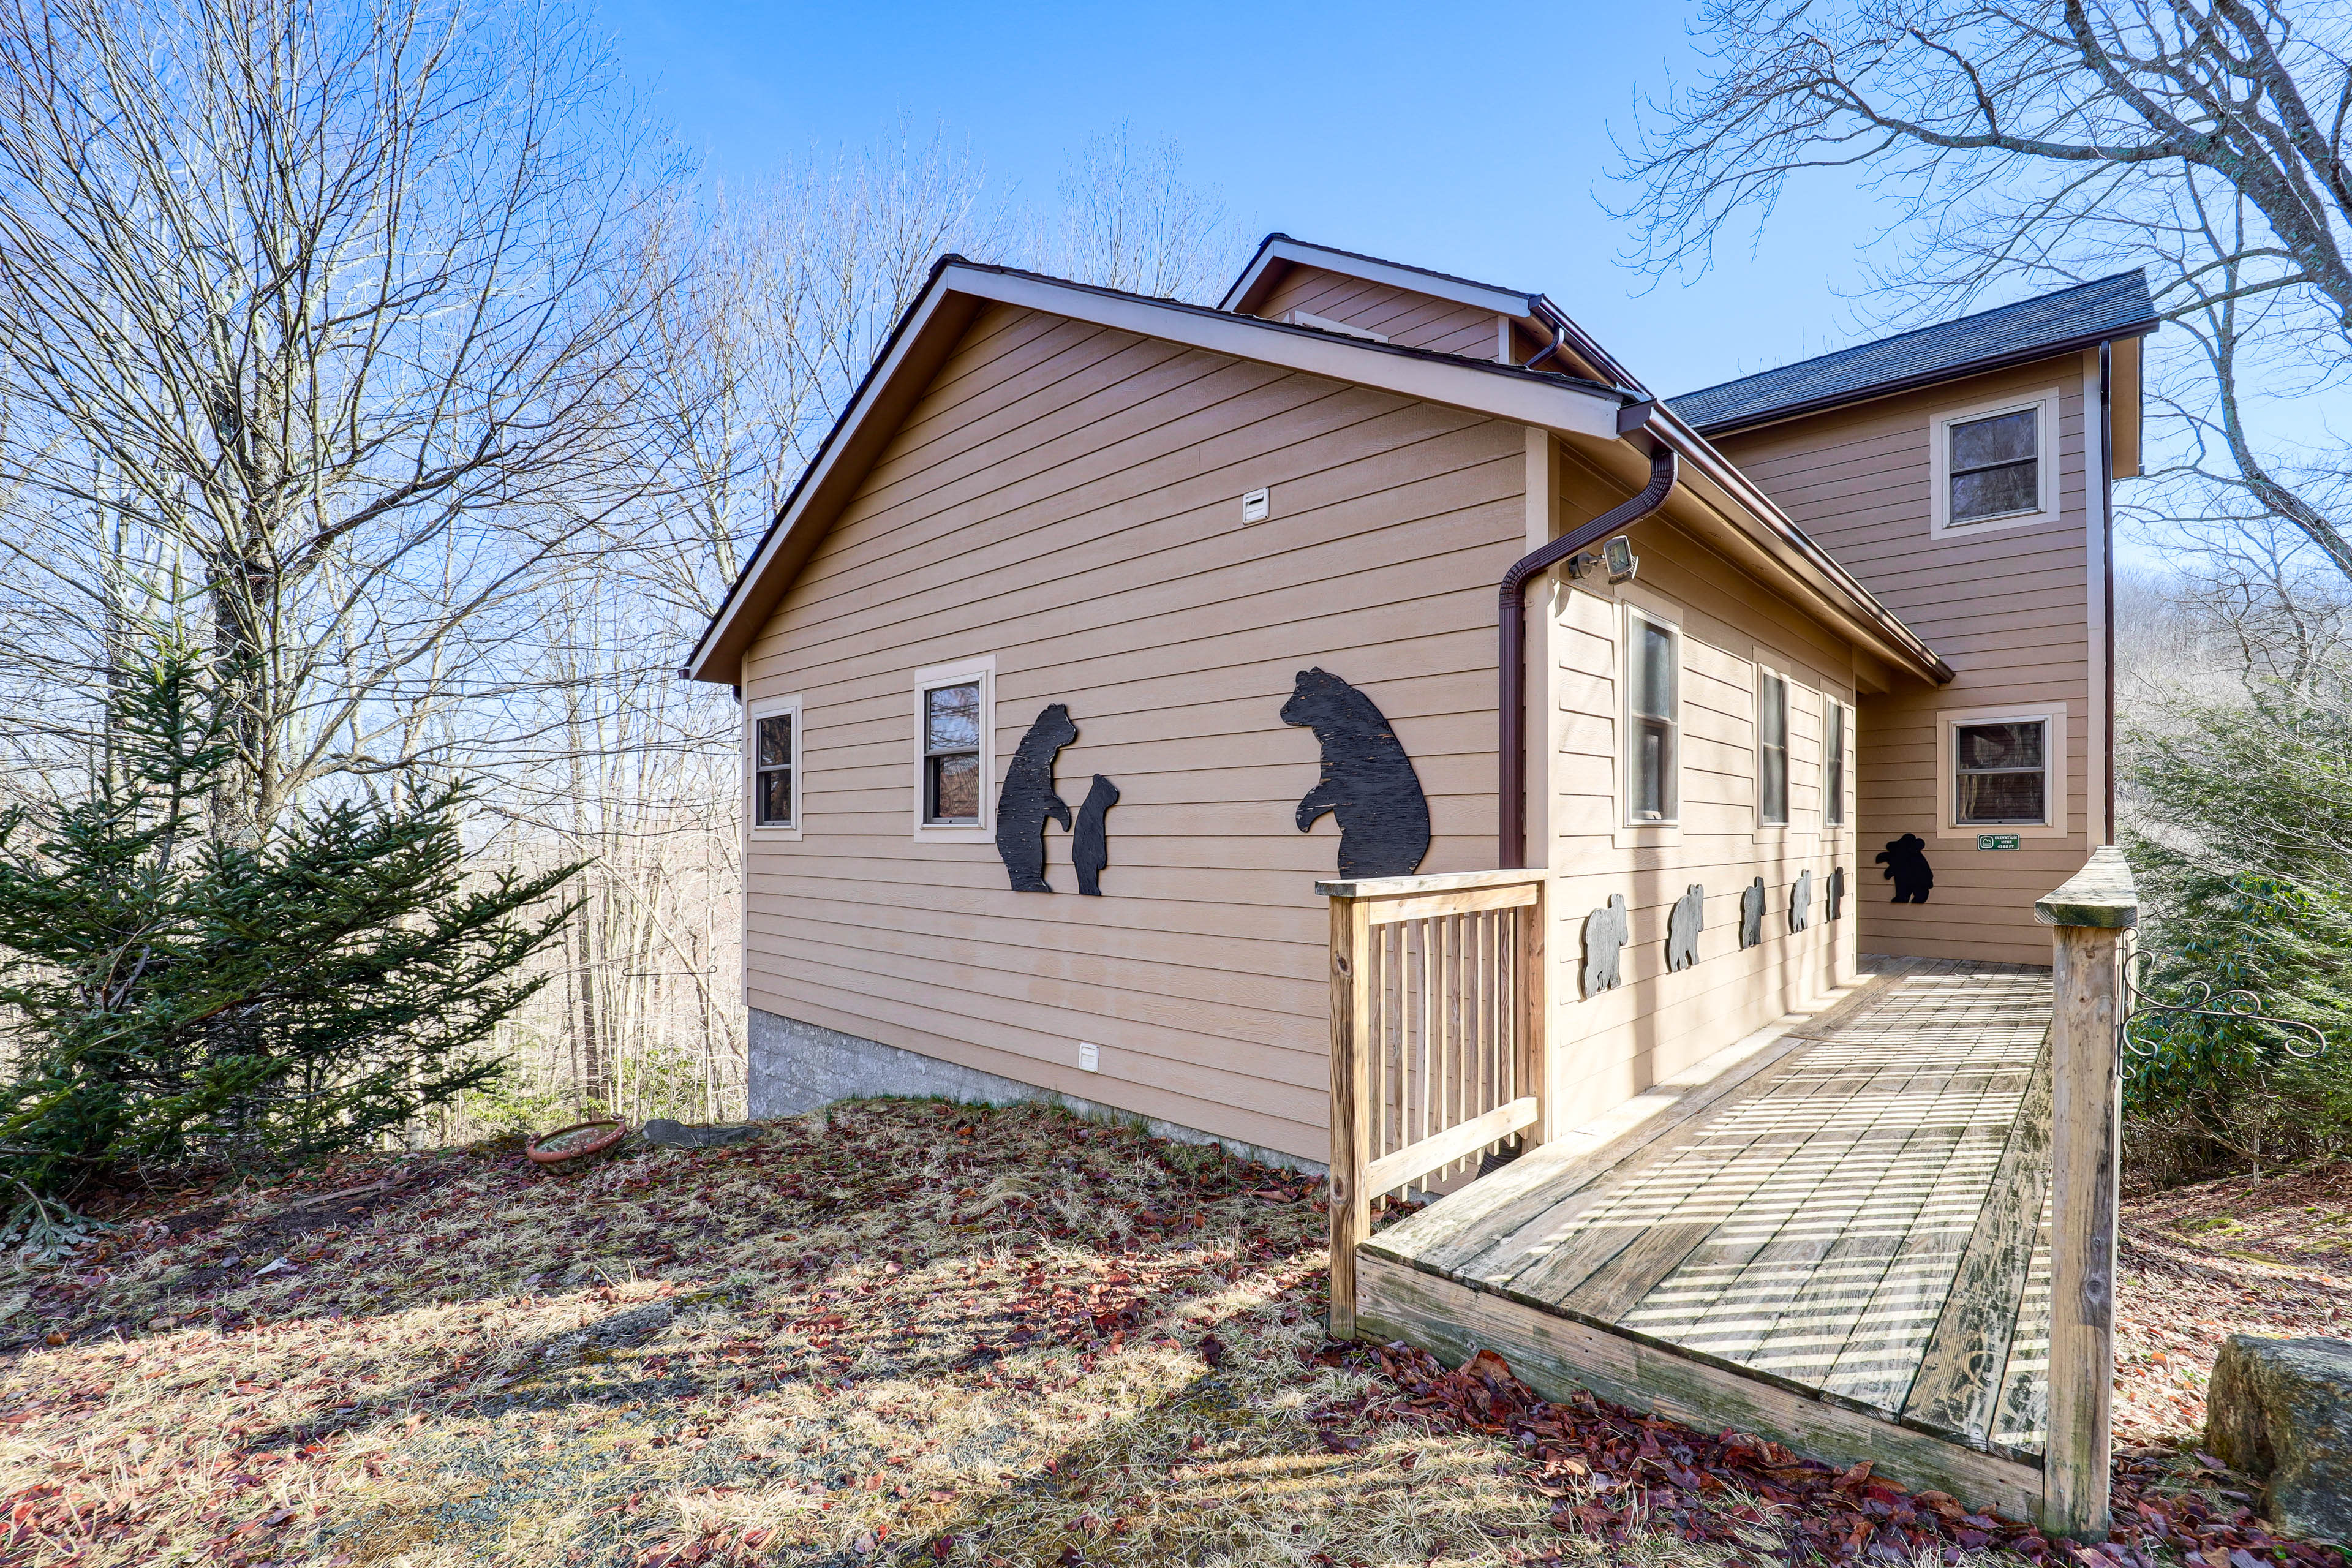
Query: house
column 1070, row 545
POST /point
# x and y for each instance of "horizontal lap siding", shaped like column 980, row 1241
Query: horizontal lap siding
column 1067, row 500
column 2008, row 610
column 1658, row 1023
column 1413, row 321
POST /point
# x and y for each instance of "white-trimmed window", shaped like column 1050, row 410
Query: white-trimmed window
column 1832, row 763
column 954, row 730
column 772, row 759
column 2001, row 771
column 1995, row 465
column 1653, row 719
column 1771, row 749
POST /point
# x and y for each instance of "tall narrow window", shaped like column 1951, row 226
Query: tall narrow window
column 1832, row 763
column 1995, row 468
column 1771, row 749
column 1651, row 720
column 772, row 767
column 951, row 754
column 2001, row 772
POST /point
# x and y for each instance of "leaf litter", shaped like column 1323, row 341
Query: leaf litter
column 892, row 1331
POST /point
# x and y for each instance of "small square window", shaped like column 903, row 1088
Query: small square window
column 2000, row 773
column 1771, row 749
column 1994, row 468
column 1832, row 763
column 951, row 720
column 772, row 768
column 1651, row 717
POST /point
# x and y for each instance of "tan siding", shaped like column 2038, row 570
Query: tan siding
column 1067, row 500
column 2008, row 610
column 1412, row 320
column 1658, row 1023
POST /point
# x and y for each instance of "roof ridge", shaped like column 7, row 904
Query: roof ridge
column 2140, row 272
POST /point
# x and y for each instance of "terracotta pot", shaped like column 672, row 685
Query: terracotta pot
column 577, row 1152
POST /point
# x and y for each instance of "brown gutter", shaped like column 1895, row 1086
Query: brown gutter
column 1511, row 655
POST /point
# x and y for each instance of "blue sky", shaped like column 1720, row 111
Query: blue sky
column 1468, row 138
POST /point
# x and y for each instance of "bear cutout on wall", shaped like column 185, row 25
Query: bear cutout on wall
column 1682, row 924
column 1751, row 914
column 1090, row 841
column 1605, row 936
column 1905, row 859
column 1836, row 897
column 1368, row 781
column 1800, row 901
column 1028, row 799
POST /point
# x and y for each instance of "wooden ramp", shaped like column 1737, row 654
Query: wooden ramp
column 1839, row 1241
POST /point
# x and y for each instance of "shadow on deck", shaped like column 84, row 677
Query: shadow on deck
column 1837, row 1237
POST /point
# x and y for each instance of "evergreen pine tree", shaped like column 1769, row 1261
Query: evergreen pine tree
column 176, row 998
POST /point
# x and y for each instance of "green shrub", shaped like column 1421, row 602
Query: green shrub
column 176, row 998
column 2242, row 847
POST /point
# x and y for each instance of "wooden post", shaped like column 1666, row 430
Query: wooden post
column 1531, row 975
column 1351, row 1012
column 2092, row 915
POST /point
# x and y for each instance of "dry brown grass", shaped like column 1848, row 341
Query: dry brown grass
column 897, row 1330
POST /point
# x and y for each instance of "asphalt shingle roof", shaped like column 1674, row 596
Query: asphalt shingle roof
column 2104, row 307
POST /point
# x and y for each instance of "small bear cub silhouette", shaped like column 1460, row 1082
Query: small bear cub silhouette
column 1090, row 841
column 1028, row 799
column 1605, row 936
column 1905, row 859
column 1368, row 780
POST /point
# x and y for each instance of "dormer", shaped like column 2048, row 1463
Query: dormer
column 1357, row 296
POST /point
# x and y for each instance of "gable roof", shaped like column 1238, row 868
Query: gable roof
column 1278, row 249
column 956, row 290
column 2086, row 314
column 1277, row 252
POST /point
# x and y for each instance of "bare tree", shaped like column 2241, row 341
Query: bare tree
column 1130, row 220
column 2046, row 140
column 324, row 312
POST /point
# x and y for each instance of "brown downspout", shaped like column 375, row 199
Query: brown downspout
column 1512, row 652
column 2107, row 566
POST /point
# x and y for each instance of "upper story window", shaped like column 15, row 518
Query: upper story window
column 2000, row 774
column 775, row 759
column 1832, row 763
column 1771, row 749
column 1995, row 465
column 1653, row 716
column 951, row 720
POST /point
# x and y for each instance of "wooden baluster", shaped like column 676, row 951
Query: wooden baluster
column 1532, row 1020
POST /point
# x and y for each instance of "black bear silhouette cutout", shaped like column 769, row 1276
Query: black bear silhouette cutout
column 1751, row 914
column 1834, row 900
column 1368, row 780
column 1089, row 842
column 1905, row 859
column 1028, row 799
column 1605, row 936
column 1682, row 924
column 1800, row 901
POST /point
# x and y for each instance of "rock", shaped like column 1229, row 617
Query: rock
column 2281, row 1411
column 679, row 1135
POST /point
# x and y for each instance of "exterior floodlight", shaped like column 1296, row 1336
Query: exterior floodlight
column 1618, row 557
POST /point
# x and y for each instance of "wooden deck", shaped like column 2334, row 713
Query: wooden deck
column 1835, row 1235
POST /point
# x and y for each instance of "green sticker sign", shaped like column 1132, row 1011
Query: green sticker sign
column 1996, row 841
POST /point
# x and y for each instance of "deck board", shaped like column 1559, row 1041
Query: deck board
column 1857, row 1216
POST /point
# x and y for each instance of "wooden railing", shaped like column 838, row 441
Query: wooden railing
column 2092, row 916
column 1437, row 1038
